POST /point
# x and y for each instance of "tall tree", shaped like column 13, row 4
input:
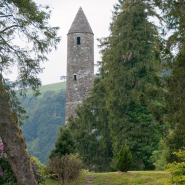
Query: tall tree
column 129, row 58
column 168, row 92
column 26, row 21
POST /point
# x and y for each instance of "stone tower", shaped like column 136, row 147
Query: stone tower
column 80, row 63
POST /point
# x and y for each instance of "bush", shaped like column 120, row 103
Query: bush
column 124, row 159
column 6, row 173
column 65, row 169
column 177, row 169
column 65, row 144
column 38, row 169
column 160, row 155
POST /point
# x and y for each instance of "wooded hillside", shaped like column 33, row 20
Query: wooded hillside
column 46, row 114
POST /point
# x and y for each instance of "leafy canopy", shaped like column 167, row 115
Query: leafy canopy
column 25, row 39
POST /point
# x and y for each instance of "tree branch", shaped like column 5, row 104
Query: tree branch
column 8, row 28
column 5, row 16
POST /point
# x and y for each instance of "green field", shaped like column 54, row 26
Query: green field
column 122, row 178
column 56, row 87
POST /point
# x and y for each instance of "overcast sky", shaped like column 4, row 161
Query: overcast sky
column 98, row 13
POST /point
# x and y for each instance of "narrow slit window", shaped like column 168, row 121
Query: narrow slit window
column 74, row 77
column 78, row 40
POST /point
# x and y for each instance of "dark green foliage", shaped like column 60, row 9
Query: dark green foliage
column 46, row 115
column 168, row 100
column 6, row 173
column 116, row 113
column 124, row 159
column 91, row 131
column 65, row 144
column 129, row 60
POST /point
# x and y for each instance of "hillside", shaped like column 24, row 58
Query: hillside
column 46, row 114
column 56, row 87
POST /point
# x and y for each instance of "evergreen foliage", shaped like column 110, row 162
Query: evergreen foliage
column 65, row 144
column 124, row 159
column 115, row 110
column 91, row 131
column 127, row 64
column 168, row 93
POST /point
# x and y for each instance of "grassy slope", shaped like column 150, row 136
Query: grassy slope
column 130, row 178
column 56, row 87
column 121, row 178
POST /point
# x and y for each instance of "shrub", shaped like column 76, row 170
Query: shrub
column 6, row 173
column 66, row 168
column 160, row 155
column 38, row 169
column 177, row 169
column 124, row 159
column 65, row 144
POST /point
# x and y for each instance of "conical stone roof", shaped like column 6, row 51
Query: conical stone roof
column 80, row 24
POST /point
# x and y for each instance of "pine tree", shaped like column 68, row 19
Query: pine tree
column 169, row 89
column 129, row 59
column 124, row 159
column 64, row 145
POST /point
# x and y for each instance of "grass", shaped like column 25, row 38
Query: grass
column 122, row 178
column 130, row 178
column 51, row 182
column 56, row 87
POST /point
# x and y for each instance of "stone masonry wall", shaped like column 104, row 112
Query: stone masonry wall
column 80, row 62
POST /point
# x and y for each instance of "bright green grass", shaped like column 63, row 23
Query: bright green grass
column 56, row 87
column 122, row 178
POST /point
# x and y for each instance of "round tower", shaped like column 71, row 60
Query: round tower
column 80, row 63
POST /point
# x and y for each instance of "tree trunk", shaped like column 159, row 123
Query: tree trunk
column 14, row 142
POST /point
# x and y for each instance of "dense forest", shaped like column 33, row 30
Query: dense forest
column 46, row 115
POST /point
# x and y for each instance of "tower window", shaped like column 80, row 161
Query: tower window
column 74, row 77
column 78, row 40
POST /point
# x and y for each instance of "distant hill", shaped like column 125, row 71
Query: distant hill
column 46, row 114
column 56, row 87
